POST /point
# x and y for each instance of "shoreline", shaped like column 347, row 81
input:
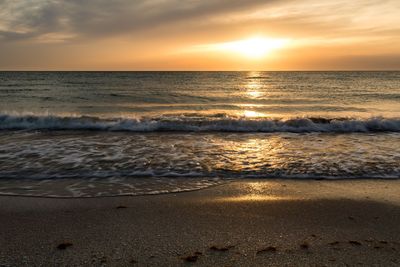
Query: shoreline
column 240, row 223
column 21, row 184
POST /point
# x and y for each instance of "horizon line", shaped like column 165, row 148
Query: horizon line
column 178, row 70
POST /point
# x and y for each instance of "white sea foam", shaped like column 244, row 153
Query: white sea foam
column 202, row 124
column 82, row 188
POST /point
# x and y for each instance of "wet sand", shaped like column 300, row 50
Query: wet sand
column 243, row 223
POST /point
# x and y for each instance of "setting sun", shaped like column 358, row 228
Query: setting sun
column 256, row 47
column 252, row 48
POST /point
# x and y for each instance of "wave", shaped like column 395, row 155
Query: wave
column 199, row 124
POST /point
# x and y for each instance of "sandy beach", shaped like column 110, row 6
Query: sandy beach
column 199, row 133
column 242, row 223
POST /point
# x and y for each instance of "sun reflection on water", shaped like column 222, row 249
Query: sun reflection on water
column 254, row 94
column 253, row 86
column 253, row 90
column 251, row 155
column 257, row 191
column 252, row 197
column 253, row 114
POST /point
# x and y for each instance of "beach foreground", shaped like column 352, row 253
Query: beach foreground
column 242, row 223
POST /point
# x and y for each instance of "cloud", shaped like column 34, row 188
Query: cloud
column 57, row 33
column 21, row 19
column 36, row 19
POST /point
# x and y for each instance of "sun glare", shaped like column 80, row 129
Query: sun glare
column 253, row 48
column 256, row 47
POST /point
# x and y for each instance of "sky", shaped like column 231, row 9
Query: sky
column 200, row 35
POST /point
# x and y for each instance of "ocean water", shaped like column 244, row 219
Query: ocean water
column 86, row 134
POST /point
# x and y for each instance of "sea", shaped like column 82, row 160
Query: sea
column 98, row 134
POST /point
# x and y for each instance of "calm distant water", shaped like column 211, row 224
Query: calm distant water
column 116, row 133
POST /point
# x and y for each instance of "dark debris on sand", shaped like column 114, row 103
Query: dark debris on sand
column 122, row 207
column 222, row 249
column 64, row 245
column 267, row 249
column 192, row 258
column 304, row 245
column 355, row 243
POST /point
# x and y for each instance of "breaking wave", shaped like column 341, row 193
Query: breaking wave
column 199, row 124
